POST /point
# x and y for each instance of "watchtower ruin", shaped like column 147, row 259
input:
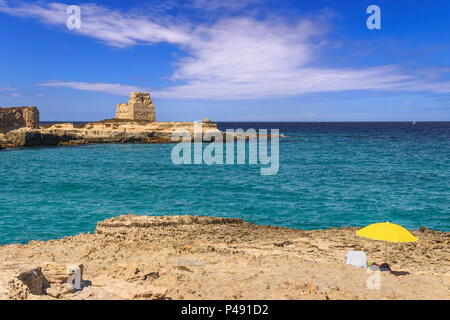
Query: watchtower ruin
column 139, row 107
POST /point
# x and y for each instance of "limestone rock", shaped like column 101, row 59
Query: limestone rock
column 73, row 143
column 139, row 107
column 21, row 285
column 188, row 257
column 206, row 120
column 34, row 280
column 128, row 223
column 58, row 273
column 57, row 276
column 53, row 292
column 15, row 118
column 25, row 138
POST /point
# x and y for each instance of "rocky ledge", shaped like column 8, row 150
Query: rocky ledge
column 106, row 131
column 192, row 257
column 135, row 122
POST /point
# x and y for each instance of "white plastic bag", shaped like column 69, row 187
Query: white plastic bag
column 356, row 258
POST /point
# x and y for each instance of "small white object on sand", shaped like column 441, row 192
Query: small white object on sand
column 356, row 258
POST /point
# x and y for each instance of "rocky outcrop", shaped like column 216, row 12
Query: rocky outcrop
column 15, row 118
column 29, row 138
column 52, row 279
column 126, row 131
column 129, row 223
column 31, row 281
column 135, row 122
column 106, row 131
column 139, row 107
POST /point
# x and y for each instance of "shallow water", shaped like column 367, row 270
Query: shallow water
column 331, row 175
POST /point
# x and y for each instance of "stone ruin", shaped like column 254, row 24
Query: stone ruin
column 15, row 118
column 139, row 107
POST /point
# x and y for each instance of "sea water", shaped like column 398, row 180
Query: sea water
column 331, row 175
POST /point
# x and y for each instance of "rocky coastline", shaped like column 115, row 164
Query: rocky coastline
column 106, row 131
column 193, row 257
column 135, row 122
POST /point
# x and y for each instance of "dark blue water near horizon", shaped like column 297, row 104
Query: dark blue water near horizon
column 331, row 175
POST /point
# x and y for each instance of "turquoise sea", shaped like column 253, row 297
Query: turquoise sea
column 331, row 175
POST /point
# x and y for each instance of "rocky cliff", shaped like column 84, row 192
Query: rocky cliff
column 15, row 118
column 139, row 107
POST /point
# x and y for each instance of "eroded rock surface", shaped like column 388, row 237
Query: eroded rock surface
column 135, row 122
column 191, row 257
column 15, row 118
column 26, row 138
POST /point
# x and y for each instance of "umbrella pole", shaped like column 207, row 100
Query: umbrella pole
column 386, row 252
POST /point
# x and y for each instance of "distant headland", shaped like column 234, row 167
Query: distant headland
column 135, row 121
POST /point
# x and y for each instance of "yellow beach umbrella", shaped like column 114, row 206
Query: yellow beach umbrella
column 386, row 231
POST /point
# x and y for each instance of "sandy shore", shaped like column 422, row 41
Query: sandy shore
column 185, row 257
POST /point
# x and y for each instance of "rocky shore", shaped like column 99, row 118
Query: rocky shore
column 135, row 122
column 191, row 257
column 106, row 131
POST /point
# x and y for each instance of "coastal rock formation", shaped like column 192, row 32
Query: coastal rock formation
column 126, row 131
column 106, row 131
column 135, row 122
column 139, row 107
column 51, row 280
column 15, row 118
column 196, row 257
column 28, row 138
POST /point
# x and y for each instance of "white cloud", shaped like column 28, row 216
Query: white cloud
column 232, row 58
column 7, row 89
column 113, row 27
column 13, row 92
column 221, row 4
column 110, row 88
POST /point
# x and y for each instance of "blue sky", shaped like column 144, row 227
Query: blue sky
column 244, row 60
